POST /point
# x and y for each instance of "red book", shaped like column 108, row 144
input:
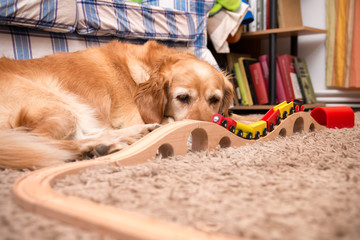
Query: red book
column 259, row 83
column 264, row 61
column 286, row 68
column 280, row 92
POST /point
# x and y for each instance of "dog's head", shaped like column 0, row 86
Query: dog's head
column 183, row 87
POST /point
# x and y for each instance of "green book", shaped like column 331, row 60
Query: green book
column 240, row 82
column 304, row 80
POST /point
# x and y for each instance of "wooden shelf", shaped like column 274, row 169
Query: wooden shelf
column 284, row 32
column 267, row 107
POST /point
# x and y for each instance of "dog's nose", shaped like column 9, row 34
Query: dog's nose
column 200, row 112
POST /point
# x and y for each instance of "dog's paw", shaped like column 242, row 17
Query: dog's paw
column 98, row 151
column 150, row 127
column 106, row 149
column 116, row 140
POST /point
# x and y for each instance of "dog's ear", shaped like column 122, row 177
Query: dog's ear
column 228, row 96
column 151, row 98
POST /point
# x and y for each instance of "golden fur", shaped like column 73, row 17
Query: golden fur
column 70, row 106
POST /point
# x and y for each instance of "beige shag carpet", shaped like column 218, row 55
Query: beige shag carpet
column 306, row 186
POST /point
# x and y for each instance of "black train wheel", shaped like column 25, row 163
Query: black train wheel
column 257, row 135
column 240, row 133
column 232, row 129
column 249, row 135
column 284, row 115
column 265, row 131
column 271, row 127
column 291, row 111
column 224, row 123
column 278, row 120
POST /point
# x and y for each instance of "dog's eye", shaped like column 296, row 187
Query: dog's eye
column 214, row 100
column 183, row 98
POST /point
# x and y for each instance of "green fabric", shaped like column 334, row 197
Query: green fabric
column 230, row 5
column 217, row 7
column 138, row 1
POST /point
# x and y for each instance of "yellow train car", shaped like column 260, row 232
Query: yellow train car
column 243, row 130
column 285, row 109
column 251, row 131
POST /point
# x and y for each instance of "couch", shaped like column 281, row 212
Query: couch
column 35, row 28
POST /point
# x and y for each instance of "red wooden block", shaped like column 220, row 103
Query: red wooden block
column 334, row 117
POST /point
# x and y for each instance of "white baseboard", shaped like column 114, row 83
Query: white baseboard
column 339, row 97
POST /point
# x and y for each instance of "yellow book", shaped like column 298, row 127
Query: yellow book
column 245, row 79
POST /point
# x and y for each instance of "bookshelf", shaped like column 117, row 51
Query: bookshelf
column 284, row 32
column 291, row 32
column 272, row 34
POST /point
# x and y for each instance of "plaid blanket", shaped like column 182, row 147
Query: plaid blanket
column 39, row 28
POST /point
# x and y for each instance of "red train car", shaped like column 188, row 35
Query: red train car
column 272, row 118
column 219, row 120
column 226, row 122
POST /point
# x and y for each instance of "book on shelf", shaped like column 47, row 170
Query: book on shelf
column 289, row 13
column 245, row 79
column 257, row 77
column 241, row 84
column 264, row 62
column 246, row 62
column 253, row 8
column 251, row 80
column 267, row 14
column 294, row 81
column 286, row 70
column 280, row 91
column 237, row 96
column 304, row 80
column 233, row 58
column 259, row 15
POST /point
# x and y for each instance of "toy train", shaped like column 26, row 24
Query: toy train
column 264, row 125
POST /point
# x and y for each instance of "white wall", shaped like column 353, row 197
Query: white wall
column 313, row 49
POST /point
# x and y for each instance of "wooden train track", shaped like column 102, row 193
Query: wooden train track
column 34, row 191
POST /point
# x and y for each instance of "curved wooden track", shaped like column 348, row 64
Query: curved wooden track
column 34, row 191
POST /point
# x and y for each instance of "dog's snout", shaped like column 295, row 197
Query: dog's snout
column 200, row 111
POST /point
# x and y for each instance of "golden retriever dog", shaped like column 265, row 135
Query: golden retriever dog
column 71, row 106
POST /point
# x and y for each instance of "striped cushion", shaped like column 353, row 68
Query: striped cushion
column 48, row 15
column 133, row 20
